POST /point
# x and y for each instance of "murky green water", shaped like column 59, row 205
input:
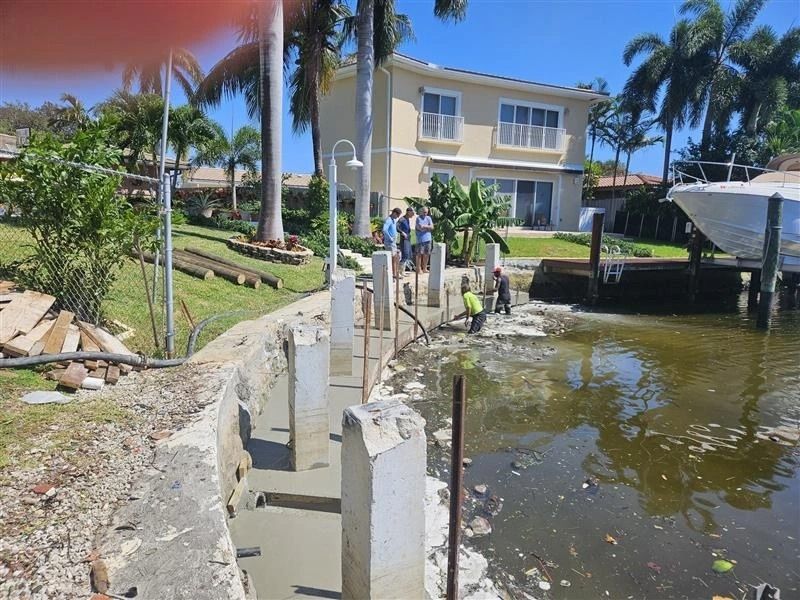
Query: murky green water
column 654, row 430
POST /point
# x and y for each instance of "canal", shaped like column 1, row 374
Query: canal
column 625, row 453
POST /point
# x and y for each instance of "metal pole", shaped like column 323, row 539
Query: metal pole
column 366, row 305
column 168, row 299
column 162, row 165
column 396, row 316
column 772, row 250
column 332, row 253
column 594, row 257
column 416, row 295
column 456, row 484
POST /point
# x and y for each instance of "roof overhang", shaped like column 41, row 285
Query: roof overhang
column 499, row 81
column 497, row 163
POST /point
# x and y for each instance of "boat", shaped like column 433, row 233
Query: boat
column 733, row 214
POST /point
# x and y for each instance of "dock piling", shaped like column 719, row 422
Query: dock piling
column 594, row 257
column 695, row 258
column 771, row 255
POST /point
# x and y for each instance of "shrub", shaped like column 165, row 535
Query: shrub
column 83, row 229
column 296, row 220
column 585, row 239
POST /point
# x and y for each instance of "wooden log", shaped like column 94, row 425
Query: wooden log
column 183, row 267
column 112, row 374
column 59, row 333
column 22, row 314
column 232, row 275
column 265, row 276
column 23, row 345
column 74, row 375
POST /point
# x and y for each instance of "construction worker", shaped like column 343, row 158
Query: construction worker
column 503, row 289
column 474, row 309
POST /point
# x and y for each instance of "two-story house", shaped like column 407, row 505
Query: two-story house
column 528, row 138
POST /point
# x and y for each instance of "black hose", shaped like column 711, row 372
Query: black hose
column 406, row 311
column 135, row 360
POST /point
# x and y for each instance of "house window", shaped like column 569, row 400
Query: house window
column 443, row 175
column 529, row 125
column 440, row 118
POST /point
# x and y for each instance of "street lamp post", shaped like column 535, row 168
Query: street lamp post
column 353, row 163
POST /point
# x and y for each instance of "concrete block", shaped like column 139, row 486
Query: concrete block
column 343, row 292
column 309, row 429
column 436, row 287
column 382, row 283
column 383, row 507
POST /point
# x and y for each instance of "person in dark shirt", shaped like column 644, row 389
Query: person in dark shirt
column 502, row 287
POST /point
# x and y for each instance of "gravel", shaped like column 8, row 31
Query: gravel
column 47, row 536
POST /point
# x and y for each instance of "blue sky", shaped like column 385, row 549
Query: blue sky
column 558, row 42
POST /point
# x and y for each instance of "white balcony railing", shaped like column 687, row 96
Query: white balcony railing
column 433, row 126
column 535, row 137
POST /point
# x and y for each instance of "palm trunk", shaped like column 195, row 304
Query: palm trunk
column 316, row 135
column 473, row 242
column 752, row 120
column 179, row 152
column 270, row 223
column 705, row 141
column 667, row 148
column 365, row 69
column 591, row 152
column 616, row 166
column 233, row 190
column 627, row 166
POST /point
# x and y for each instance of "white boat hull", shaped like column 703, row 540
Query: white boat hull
column 734, row 215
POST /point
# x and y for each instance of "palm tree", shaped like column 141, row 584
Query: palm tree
column 379, row 30
column 149, row 76
column 672, row 73
column 783, row 134
column 189, row 128
column 136, row 120
column 243, row 149
column 314, row 38
column 599, row 112
column 638, row 139
column 613, row 132
column 769, row 64
column 719, row 32
column 72, row 116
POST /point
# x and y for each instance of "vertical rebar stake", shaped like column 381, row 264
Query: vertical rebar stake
column 381, row 318
column 456, row 484
column 416, row 296
column 366, row 308
column 396, row 316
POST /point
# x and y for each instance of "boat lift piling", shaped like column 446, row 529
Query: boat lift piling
column 771, row 257
column 695, row 259
column 593, row 292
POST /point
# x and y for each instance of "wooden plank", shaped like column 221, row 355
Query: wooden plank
column 236, row 496
column 22, row 314
column 87, row 343
column 74, row 375
column 9, row 296
column 72, row 339
column 59, row 332
column 22, row 345
column 100, row 372
column 104, row 339
column 112, row 374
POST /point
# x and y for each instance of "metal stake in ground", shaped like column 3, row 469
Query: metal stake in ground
column 366, row 308
column 416, row 295
column 397, row 313
column 456, row 484
column 772, row 250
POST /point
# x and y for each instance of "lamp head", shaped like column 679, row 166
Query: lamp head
column 354, row 163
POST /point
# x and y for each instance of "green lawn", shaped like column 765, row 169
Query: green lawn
column 541, row 247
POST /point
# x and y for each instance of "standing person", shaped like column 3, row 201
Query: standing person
column 390, row 239
column 404, row 226
column 424, row 228
column 503, row 289
column 474, row 310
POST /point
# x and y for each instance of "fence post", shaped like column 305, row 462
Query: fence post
column 168, row 291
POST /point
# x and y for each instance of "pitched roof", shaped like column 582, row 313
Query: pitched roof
column 297, row 180
column 634, row 180
column 402, row 60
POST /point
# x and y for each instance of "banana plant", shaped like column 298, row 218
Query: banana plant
column 484, row 210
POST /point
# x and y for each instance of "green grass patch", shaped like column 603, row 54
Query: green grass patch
column 545, row 247
column 49, row 426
